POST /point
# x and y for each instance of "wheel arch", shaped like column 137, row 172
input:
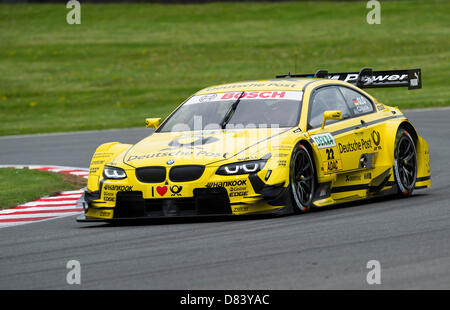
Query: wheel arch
column 306, row 145
column 410, row 129
column 388, row 137
column 423, row 155
column 315, row 155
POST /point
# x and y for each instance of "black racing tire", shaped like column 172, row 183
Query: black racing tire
column 302, row 179
column 405, row 163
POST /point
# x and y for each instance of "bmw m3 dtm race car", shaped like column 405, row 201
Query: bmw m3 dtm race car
column 277, row 146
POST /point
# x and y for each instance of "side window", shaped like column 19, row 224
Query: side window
column 326, row 99
column 358, row 103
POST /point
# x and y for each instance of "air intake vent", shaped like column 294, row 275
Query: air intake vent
column 186, row 173
column 151, row 174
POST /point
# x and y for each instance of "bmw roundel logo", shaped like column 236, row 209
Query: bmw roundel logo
column 170, row 162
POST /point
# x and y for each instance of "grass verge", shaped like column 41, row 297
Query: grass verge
column 126, row 62
column 22, row 185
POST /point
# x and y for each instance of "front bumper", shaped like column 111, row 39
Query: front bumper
column 210, row 201
column 136, row 210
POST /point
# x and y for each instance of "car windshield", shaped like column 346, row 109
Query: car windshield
column 255, row 109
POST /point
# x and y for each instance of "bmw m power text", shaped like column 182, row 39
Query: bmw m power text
column 278, row 146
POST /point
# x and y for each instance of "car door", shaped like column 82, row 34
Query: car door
column 366, row 132
column 341, row 143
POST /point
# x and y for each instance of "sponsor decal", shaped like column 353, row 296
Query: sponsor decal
column 122, row 188
column 159, row 154
column 97, row 162
column 362, row 105
column 324, row 140
column 238, row 194
column 351, row 178
column 282, row 163
column 368, row 176
column 330, row 166
column 177, row 153
column 252, row 84
column 251, row 157
column 105, row 213
column 238, row 191
column 353, row 77
column 226, row 183
column 240, row 209
column 376, row 137
column 175, row 190
column 100, row 155
column 188, row 142
column 355, row 146
column 381, row 107
column 414, row 82
column 93, row 170
column 255, row 94
column 330, row 154
column 109, row 196
column 161, row 190
column 209, row 97
column 259, row 95
column 211, row 154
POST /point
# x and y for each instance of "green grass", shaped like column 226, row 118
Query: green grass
column 21, row 185
column 128, row 62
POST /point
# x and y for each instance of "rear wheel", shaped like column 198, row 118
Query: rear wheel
column 302, row 179
column 405, row 163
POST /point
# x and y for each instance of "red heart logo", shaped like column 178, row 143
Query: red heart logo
column 162, row 190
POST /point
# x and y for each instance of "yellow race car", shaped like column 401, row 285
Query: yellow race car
column 277, row 146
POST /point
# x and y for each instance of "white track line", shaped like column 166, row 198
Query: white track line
column 45, row 208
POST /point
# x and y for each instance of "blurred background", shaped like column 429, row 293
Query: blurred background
column 131, row 60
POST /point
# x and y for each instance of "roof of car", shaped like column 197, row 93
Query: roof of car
column 272, row 84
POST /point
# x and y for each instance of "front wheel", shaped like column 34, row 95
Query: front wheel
column 405, row 163
column 302, row 179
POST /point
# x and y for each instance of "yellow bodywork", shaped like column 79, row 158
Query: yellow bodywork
column 340, row 177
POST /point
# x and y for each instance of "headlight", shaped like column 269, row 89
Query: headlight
column 242, row 167
column 114, row 173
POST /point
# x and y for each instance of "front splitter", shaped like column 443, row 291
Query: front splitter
column 84, row 219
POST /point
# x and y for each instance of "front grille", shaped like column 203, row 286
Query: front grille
column 186, row 173
column 206, row 201
column 151, row 174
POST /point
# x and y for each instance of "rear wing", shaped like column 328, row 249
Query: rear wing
column 366, row 78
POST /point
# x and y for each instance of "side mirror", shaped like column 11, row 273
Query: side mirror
column 152, row 122
column 331, row 115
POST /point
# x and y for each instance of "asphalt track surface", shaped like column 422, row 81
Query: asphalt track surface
column 326, row 249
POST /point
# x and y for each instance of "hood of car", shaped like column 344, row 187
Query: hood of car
column 202, row 148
